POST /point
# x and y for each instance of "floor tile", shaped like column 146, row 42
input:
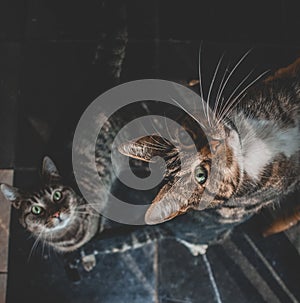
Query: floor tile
column 6, row 176
column 3, row 279
column 180, row 274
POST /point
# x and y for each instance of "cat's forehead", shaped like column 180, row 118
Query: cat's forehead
column 44, row 193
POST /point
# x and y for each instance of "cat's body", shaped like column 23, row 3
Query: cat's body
column 268, row 122
column 260, row 141
column 254, row 146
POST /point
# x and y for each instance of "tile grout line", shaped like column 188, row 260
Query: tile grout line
column 212, row 279
column 135, row 269
column 271, row 269
column 155, row 269
column 250, row 272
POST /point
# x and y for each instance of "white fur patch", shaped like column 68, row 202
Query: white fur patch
column 257, row 157
column 289, row 141
column 64, row 223
column 262, row 141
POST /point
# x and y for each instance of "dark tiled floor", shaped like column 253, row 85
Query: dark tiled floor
column 244, row 268
column 51, row 72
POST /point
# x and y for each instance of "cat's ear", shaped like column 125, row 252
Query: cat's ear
column 164, row 207
column 148, row 147
column 12, row 194
column 50, row 173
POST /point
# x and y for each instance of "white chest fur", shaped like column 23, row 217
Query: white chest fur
column 262, row 140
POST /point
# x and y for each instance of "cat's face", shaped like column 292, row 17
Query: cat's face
column 48, row 212
column 199, row 181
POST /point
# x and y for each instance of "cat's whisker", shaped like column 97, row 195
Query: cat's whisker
column 158, row 133
column 191, row 115
column 168, row 131
column 235, row 90
column 157, row 143
column 275, row 178
column 87, row 213
column 144, row 128
column 210, row 89
column 32, row 249
column 86, row 205
column 228, row 108
column 200, row 82
column 34, row 246
column 49, row 247
column 150, row 145
column 30, row 236
column 233, row 70
column 160, row 144
column 155, row 129
column 218, row 97
column 43, row 247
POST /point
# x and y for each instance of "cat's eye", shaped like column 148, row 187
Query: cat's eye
column 36, row 210
column 57, row 195
column 200, row 174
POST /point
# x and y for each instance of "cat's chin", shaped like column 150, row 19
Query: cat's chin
column 61, row 224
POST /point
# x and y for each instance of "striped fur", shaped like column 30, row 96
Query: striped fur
column 254, row 145
column 66, row 224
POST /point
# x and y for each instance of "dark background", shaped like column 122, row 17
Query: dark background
column 52, row 66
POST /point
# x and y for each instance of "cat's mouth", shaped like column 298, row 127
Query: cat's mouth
column 59, row 221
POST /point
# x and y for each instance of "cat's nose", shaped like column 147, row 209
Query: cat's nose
column 56, row 215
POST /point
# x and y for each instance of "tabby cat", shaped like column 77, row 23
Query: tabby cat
column 259, row 139
column 55, row 214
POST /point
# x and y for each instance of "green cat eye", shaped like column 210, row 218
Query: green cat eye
column 200, row 174
column 36, row 210
column 57, row 195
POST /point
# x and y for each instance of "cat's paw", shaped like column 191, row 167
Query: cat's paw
column 88, row 262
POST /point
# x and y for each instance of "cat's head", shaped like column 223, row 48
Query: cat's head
column 46, row 212
column 200, row 180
